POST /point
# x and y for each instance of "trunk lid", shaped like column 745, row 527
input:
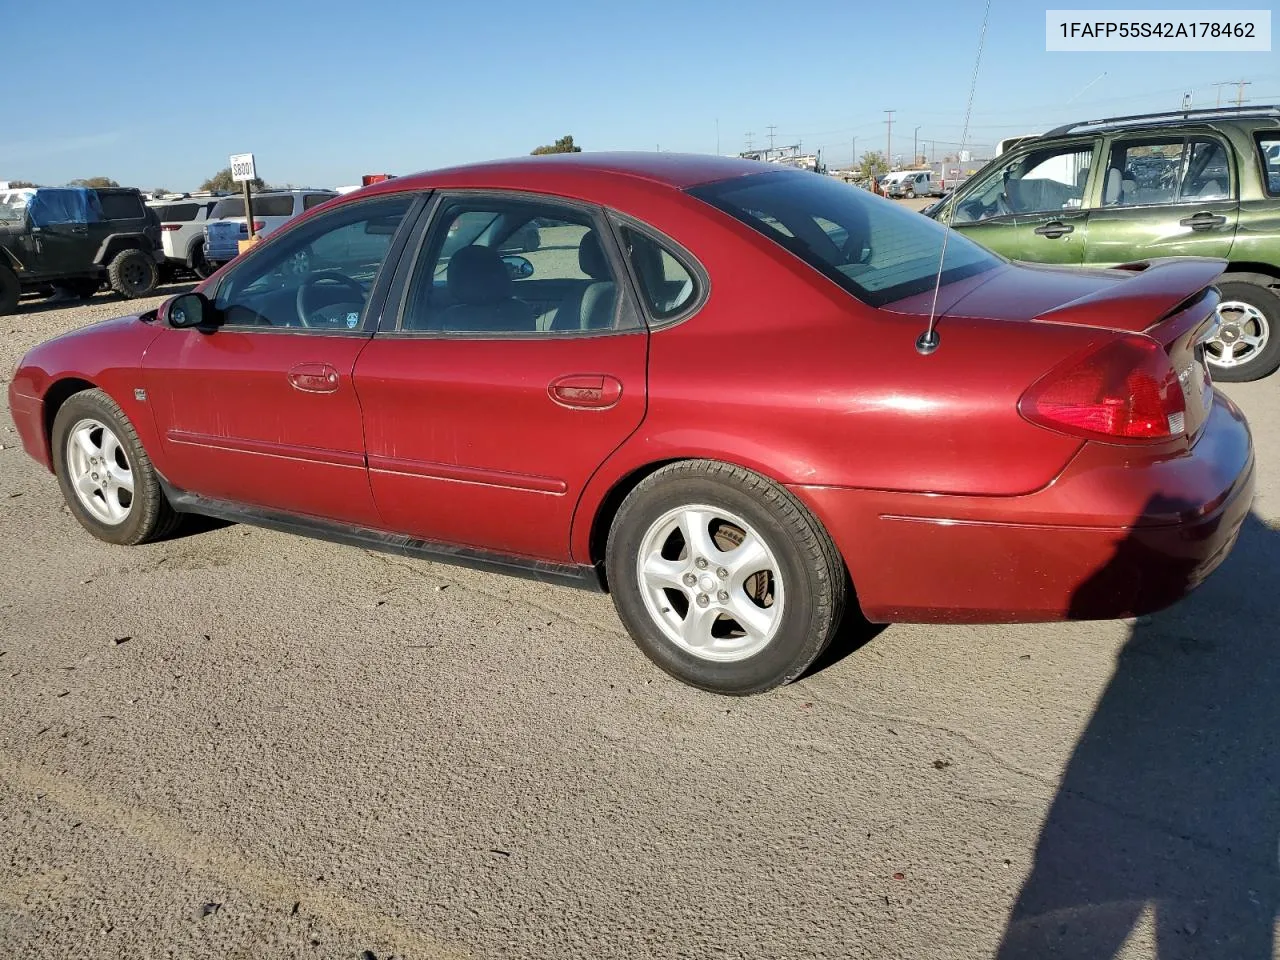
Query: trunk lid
column 1170, row 300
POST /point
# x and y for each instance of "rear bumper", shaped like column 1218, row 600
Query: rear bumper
column 1116, row 534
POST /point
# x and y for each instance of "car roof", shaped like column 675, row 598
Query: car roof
column 1139, row 121
column 674, row 170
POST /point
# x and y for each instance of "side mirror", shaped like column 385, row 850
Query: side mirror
column 189, row 310
column 518, row 268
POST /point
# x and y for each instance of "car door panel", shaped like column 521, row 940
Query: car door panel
column 1122, row 234
column 482, row 435
column 269, row 419
column 1056, row 237
column 260, row 407
column 469, row 442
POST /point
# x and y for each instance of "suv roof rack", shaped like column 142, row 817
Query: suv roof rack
column 1170, row 117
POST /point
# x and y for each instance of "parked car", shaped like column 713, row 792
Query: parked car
column 1107, row 192
column 671, row 399
column 75, row 238
column 227, row 224
column 182, row 221
column 907, row 184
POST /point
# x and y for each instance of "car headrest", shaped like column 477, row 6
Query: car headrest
column 1115, row 180
column 478, row 276
column 591, row 258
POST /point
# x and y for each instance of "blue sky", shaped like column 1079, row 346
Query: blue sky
column 158, row 94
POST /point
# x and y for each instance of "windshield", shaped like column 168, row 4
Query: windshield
column 13, row 204
column 873, row 248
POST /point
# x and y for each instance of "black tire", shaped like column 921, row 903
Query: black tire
column 150, row 516
column 811, row 571
column 1253, row 290
column 199, row 265
column 132, row 274
column 910, row 194
column 10, row 291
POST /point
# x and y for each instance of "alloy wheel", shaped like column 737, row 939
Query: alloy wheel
column 100, row 472
column 1243, row 332
column 711, row 583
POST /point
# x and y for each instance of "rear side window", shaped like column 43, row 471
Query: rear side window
column 666, row 284
column 1269, row 155
column 869, row 246
column 314, row 200
column 177, row 212
column 121, row 206
column 279, row 206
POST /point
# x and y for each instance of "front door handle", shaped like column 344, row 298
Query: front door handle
column 1054, row 229
column 314, row 378
column 1202, row 221
column 586, row 391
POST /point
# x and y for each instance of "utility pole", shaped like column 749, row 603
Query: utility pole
column 888, row 139
column 915, row 147
column 853, row 153
column 717, row 136
column 772, row 128
column 1240, row 92
column 749, row 136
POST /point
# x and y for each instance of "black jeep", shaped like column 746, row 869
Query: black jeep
column 73, row 238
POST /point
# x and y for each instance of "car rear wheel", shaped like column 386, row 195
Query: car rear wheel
column 106, row 476
column 1247, row 343
column 723, row 578
column 200, row 265
column 10, row 291
column 132, row 274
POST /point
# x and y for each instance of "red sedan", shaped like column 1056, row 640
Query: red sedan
column 698, row 382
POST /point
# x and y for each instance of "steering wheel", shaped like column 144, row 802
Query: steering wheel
column 307, row 287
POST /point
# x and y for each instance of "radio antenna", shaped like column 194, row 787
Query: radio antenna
column 928, row 341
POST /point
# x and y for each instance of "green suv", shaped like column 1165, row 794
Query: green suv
column 1202, row 183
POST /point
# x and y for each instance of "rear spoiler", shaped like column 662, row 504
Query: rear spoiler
column 1158, row 288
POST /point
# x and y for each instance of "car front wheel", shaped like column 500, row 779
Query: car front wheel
column 723, row 578
column 1246, row 345
column 106, row 476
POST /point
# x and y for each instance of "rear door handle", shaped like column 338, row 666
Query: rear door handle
column 1202, row 221
column 586, row 391
column 314, row 378
column 1054, row 229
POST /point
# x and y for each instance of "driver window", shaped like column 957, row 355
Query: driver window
column 316, row 276
column 1041, row 181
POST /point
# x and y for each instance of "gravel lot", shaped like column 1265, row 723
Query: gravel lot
column 242, row 744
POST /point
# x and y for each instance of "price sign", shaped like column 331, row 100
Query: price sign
column 242, row 168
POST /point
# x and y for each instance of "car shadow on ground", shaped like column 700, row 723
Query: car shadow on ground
column 1171, row 800
column 47, row 304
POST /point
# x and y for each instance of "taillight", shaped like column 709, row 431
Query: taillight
column 166, row 227
column 1123, row 392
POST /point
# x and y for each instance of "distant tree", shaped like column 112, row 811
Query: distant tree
column 94, row 182
column 222, row 181
column 160, row 191
column 563, row 145
column 872, row 164
column 21, row 184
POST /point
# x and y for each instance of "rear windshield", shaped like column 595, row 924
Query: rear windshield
column 120, row 206
column 874, row 248
column 176, row 212
column 277, row 206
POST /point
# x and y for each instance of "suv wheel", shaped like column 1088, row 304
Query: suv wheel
column 132, row 274
column 10, row 291
column 200, row 266
column 1247, row 344
column 723, row 578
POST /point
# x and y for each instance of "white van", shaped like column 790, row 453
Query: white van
column 907, row 183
